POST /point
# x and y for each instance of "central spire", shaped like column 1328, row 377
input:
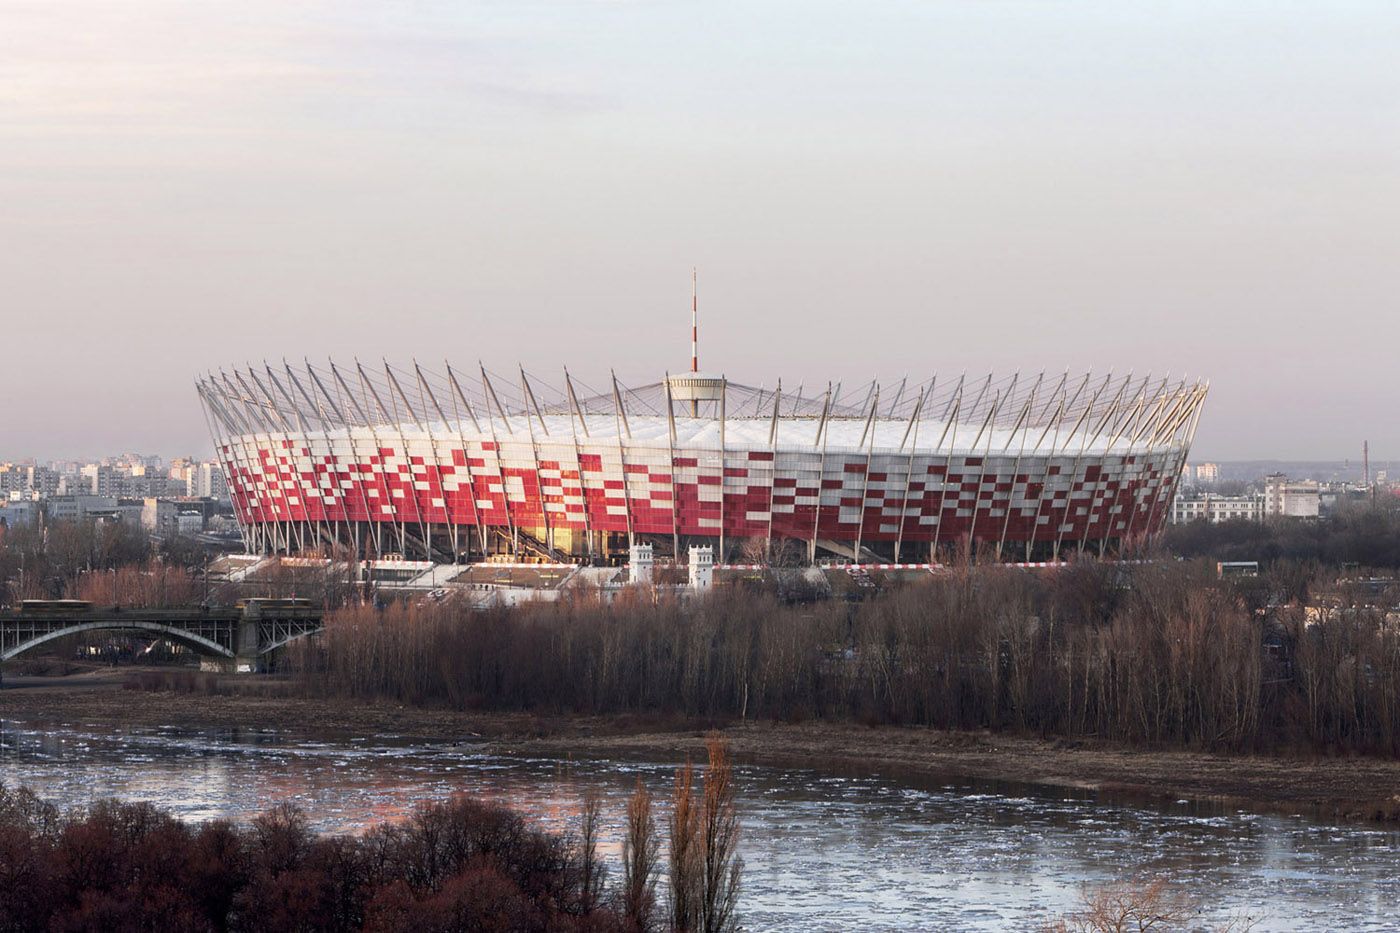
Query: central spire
column 696, row 387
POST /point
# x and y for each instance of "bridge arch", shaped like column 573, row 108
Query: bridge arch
column 198, row 643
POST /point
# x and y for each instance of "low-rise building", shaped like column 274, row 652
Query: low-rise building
column 1190, row 508
column 160, row 516
column 73, row 508
column 15, row 512
column 1299, row 499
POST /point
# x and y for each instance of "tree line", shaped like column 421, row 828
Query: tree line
column 42, row 562
column 1156, row 653
column 70, row 558
column 458, row 865
column 1366, row 534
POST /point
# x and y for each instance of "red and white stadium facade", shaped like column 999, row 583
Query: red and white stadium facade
column 451, row 467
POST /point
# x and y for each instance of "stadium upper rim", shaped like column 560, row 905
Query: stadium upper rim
column 1020, row 413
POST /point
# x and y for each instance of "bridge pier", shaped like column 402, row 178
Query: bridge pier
column 245, row 639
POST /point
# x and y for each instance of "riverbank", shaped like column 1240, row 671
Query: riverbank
column 1331, row 788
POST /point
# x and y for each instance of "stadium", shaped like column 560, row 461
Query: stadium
column 465, row 466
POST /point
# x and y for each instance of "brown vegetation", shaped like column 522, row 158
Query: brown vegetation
column 150, row 585
column 62, row 559
column 684, row 851
column 1136, row 906
column 42, row 562
column 719, row 841
column 639, row 855
column 454, row 866
column 1161, row 654
column 704, row 837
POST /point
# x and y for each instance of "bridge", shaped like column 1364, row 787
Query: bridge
column 240, row 636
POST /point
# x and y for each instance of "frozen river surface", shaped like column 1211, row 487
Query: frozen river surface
column 822, row 850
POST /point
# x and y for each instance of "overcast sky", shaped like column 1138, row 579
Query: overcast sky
column 867, row 188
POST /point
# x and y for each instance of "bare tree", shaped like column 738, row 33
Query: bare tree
column 686, row 870
column 719, row 841
column 591, row 870
column 639, row 852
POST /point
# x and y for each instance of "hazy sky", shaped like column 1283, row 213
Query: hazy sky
column 867, row 188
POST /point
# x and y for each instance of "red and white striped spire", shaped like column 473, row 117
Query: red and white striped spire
column 694, row 328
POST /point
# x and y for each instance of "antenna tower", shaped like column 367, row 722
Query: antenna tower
column 692, row 387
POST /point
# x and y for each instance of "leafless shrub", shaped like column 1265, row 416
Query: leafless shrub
column 1136, row 906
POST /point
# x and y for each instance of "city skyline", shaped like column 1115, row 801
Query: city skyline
column 1191, row 189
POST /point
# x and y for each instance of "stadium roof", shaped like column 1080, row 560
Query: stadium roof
column 1020, row 412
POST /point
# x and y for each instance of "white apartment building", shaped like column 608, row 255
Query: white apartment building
column 1217, row 508
column 27, row 479
column 1302, row 499
column 205, row 481
column 102, row 480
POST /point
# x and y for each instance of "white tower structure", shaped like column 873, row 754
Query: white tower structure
column 702, row 567
column 640, row 564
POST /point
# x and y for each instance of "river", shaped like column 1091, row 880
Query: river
column 823, row 850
